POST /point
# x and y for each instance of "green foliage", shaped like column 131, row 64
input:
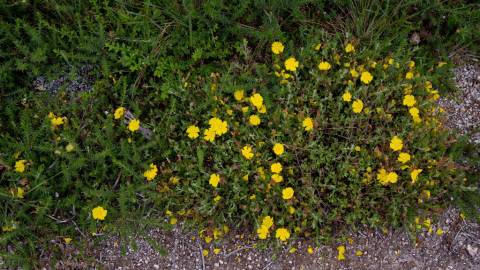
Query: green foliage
column 442, row 26
column 177, row 63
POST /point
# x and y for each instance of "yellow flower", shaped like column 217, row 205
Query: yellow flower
column 411, row 64
column 8, row 228
column 358, row 253
column 385, row 177
column 276, row 167
column 20, row 193
column 245, row 109
column 439, row 231
column 173, row 221
column 414, row 175
column 382, row 176
column 427, row 223
column 254, row 120
column 414, row 112
column 247, row 152
column 292, row 250
column 310, row 250
column 366, row 77
column 409, row 100
column 205, row 253
column 291, row 210
column 392, row 177
column 214, row 179
column 277, row 178
column 409, row 75
column 428, row 85
column 70, row 147
column 192, row 132
column 209, row 135
column 347, row 97
column 99, row 213
column 396, row 144
column 349, row 48
column 341, row 253
column 67, row 240
column 282, row 234
column 277, row 47
column 307, row 124
column 20, row 165
column 262, row 232
column 134, row 125
column 56, row 121
column 151, row 172
column 257, row 101
column 354, row 73
column 267, row 222
column 324, row 66
column 217, row 198
column 238, row 95
column 403, row 157
column 174, row 180
column 287, row 193
column 318, row 46
column 216, row 251
column 357, row 106
column 217, row 233
column 416, row 119
column 262, row 109
column 119, row 112
column 278, row 149
column 427, row 193
column 220, row 127
column 291, row 64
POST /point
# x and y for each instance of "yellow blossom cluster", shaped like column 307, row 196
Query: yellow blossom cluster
column 55, row 120
column 263, row 231
column 151, row 172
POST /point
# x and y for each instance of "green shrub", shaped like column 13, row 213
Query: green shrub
column 78, row 156
column 178, row 64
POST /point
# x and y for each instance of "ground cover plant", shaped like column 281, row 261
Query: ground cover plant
column 279, row 127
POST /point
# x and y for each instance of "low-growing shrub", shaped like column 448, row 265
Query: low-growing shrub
column 323, row 140
column 185, row 109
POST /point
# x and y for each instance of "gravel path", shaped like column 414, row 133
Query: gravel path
column 463, row 110
column 457, row 248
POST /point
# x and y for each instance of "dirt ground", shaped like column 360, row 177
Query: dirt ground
column 457, row 248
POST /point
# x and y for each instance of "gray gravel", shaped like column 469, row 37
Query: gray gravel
column 463, row 110
column 456, row 248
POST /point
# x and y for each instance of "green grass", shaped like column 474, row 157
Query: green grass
column 177, row 63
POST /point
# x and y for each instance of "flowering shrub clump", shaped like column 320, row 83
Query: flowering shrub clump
column 322, row 139
column 339, row 145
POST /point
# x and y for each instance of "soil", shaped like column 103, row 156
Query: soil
column 457, row 248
